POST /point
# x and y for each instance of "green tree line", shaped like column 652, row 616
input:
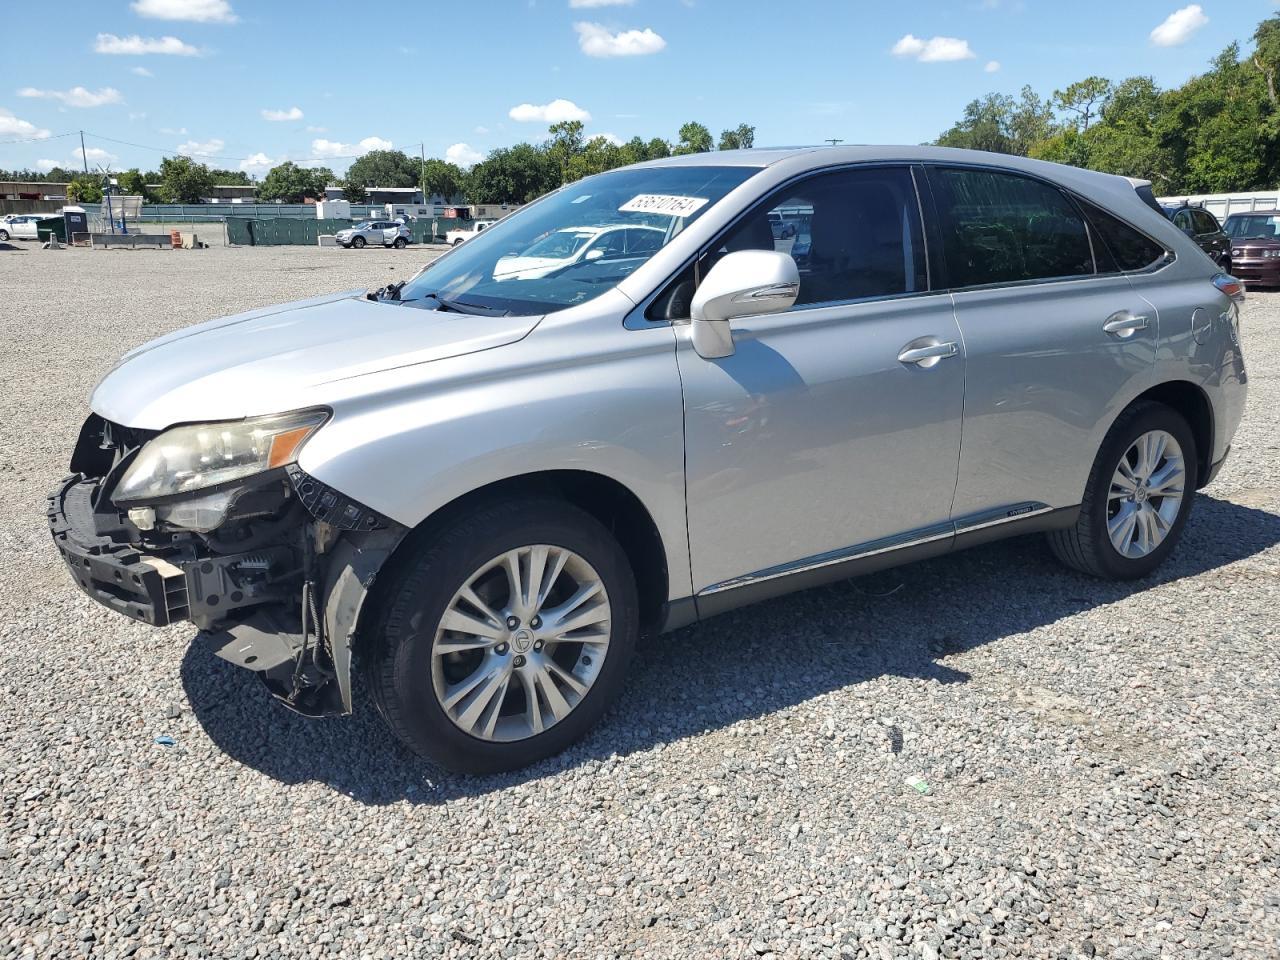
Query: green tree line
column 509, row 174
column 1219, row 132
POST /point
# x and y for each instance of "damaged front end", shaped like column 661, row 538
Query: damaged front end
column 219, row 526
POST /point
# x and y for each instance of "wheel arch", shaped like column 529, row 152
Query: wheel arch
column 1193, row 404
column 610, row 502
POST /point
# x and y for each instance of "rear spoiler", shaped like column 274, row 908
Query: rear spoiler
column 1143, row 189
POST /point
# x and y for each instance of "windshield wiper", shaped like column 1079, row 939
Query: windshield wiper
column 474, row 309
column 390, row 292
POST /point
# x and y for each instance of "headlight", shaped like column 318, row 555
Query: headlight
column 206, row 454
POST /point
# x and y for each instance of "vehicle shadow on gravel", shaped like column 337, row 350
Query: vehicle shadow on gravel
column 742, row 665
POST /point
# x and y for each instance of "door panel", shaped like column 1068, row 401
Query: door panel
column 1044, row 382
column 814, row 437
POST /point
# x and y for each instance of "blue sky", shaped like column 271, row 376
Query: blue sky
column 246, row 83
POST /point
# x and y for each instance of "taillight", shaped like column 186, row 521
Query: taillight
column 1232, row 287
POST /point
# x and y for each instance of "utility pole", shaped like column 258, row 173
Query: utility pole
column 83, row 156
column 833, row 141
column 422, row 177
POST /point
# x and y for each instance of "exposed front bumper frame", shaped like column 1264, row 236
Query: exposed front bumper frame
column 307, row 668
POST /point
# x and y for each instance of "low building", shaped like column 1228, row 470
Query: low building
column 221, row 192
column 35, row 190
column 227, row 192
column 379, row 194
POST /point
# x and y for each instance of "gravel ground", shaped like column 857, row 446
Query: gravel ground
column 1102, row 759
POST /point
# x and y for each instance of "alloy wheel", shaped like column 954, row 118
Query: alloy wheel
column 1146, row 494
column 521, row 643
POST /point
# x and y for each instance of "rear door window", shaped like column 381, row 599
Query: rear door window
column 1000, row 227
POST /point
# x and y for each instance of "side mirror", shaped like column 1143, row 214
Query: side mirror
column 746, row 283
column 595, row 253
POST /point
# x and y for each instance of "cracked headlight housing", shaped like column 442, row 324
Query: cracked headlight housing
column 196, row 457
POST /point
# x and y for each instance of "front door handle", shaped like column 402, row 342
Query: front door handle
column 1124, row 324
column 927, row 355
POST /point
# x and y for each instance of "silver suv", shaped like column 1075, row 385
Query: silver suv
column 389, row 233
column 480, row 486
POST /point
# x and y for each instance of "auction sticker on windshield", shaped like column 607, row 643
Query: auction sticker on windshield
column 663, row 203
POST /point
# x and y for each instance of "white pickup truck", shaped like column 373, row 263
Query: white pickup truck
column 455, row 237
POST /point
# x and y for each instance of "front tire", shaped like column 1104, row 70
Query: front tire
column 458, row 241
column 358, row 243
column 4, row 236
column 1137, row 499
column 505, row 636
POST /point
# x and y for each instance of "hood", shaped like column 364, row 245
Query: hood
column 1261, row 243
column 281, row 358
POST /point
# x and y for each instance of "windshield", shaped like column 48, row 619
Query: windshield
column 1262, row 226
column 560, row 245
column 479, row 274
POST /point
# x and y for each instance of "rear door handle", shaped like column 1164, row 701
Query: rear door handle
column 929, row 354
column 1124, row 324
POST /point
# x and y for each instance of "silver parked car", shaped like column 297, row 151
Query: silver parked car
column 21, row 226
column 389, row 233
column 482, row 486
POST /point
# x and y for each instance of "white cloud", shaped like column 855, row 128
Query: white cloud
column 463, row 154
column 76, row 96
column 933, row 50
column 1179, row 26
column 141, row 72
column 44, row 166
column 196, row 11
column 595, row 40
column 553, row 112
column 179, row 132
column 202, row 148
column 94, row 155
column 482, row 130
column 135, row 45
column 993, row 66
column 257, row 164
column 613, row 138
column 311, row 129
column 333, row 148
column 11, row 126
column 591, row 4
column 293, row 113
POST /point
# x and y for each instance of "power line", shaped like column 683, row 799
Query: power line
column 54, row 136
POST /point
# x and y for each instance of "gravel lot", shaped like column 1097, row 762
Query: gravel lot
column 1103, row 759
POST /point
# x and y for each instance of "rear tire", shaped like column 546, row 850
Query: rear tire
column 431, row 697
column 1130, row 502
column 400, row 243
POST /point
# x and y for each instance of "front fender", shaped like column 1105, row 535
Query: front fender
column 590, row 397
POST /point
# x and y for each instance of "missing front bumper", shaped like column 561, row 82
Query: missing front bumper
column 286, row 610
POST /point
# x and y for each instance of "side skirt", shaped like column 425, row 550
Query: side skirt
column 871, row 557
